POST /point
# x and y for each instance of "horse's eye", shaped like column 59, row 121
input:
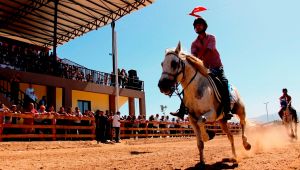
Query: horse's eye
column 174, row 64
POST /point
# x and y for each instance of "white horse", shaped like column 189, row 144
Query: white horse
column 199, row 96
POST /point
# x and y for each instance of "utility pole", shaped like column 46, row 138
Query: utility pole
column 163, row 109
column 266, row 103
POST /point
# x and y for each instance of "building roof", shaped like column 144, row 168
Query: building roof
column 32, row 21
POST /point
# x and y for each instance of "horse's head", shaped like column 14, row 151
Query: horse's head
column 172, row 71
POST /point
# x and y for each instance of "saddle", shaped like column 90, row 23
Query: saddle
column 218, row 89
column 214, row 81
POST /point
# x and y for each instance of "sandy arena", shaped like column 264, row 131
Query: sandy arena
column 271, row 149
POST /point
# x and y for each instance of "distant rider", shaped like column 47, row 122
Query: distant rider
column 285, row 101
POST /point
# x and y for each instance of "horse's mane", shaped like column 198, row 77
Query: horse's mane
column 194, row 61
column 197, row 64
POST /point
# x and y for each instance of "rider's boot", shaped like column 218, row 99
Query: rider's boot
column 226, row 105
column 180, row 112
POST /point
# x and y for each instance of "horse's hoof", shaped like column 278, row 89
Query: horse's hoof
column 211, row 134
column 247, row 146
column 201, row 165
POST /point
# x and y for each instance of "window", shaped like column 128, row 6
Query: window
column 84, row 105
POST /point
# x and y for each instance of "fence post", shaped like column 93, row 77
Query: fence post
column 53, row 122
column 1, row 125
column 146, row 131
column 93, row 124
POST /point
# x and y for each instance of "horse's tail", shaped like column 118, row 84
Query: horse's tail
column 296, row 118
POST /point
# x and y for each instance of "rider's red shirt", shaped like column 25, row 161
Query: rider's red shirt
column 287, row 98
column 212, row 59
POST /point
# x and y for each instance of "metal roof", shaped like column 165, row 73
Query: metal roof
column 32, row 21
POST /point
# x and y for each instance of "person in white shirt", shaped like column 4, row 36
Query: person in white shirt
column 116, row 126
column 30, row 96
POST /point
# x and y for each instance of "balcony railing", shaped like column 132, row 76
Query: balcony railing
column 44, row 64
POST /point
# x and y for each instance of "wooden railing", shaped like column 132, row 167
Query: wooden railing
column 28, row 127
column 62, row 128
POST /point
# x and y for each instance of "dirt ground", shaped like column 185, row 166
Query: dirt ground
column 271, row 149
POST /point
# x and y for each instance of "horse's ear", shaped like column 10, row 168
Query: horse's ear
column 178, row 48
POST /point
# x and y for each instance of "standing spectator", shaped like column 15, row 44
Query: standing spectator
column 108, row 133
column 14, row 110
column 30, row 96
column 172, row 125
column 15, row 88
column 162, row 125
column 78, row 114
column 61, row 112
column 40, row 121
column 123, row 78
column 101, row 121
column 51, row 110
column 116, row 126
column 128, row 124
column 150, row 124
column 156, row 124
column 29, row 121
column 43, row 101
column 112, row 79
column 167, row 121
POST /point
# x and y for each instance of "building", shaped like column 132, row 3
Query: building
column 30, row 28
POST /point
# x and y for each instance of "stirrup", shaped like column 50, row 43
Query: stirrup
column 178, row 114
column 227, row 116
column 211, row 134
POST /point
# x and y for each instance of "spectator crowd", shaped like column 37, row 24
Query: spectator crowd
column 39, row 60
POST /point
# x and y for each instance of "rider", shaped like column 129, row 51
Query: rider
column 204, row 48
column 285, row 101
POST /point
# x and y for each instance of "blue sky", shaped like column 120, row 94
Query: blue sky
column 259, row 43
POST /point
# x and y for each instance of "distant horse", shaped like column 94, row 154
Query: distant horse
column 199, row 98
column 289, row 116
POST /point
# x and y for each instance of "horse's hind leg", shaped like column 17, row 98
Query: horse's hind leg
column 295, row 120
column 296, row 135
column 225, row 129
column 240, row 111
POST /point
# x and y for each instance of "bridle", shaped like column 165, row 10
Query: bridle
column 175, row 89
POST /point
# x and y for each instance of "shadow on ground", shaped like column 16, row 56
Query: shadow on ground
column 137, row 152
column 224, row 164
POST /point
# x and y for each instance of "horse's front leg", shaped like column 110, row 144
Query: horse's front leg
column 210, row 116
column 200, row 143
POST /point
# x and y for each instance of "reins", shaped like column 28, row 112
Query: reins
column 176, row 90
